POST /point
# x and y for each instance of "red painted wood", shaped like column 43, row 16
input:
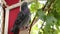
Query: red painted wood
column 13, row 14
column 11, row 2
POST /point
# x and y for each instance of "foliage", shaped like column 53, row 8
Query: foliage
column 50, row 18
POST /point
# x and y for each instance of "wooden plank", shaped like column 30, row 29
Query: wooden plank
column 6, row 21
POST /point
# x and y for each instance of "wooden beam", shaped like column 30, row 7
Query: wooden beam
column 15, row 5
column 3, row 2
column 6, row 21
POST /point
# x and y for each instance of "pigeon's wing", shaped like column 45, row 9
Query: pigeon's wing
column 20, row 17
column 25, row 22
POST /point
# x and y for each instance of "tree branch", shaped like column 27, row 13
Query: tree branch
column 31, row 24
column 48, row 5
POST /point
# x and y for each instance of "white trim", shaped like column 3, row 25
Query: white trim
column 6, row 21
column 15, row 5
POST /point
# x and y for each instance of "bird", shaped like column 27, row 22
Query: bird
column 22, row 19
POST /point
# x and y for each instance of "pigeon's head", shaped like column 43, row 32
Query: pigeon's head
column 24, row 5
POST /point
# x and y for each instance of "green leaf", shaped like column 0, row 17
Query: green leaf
column 41, row 14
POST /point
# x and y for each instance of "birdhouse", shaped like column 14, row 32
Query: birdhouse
column 11, row 9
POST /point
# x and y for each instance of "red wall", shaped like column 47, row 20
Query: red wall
column 13, row 14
